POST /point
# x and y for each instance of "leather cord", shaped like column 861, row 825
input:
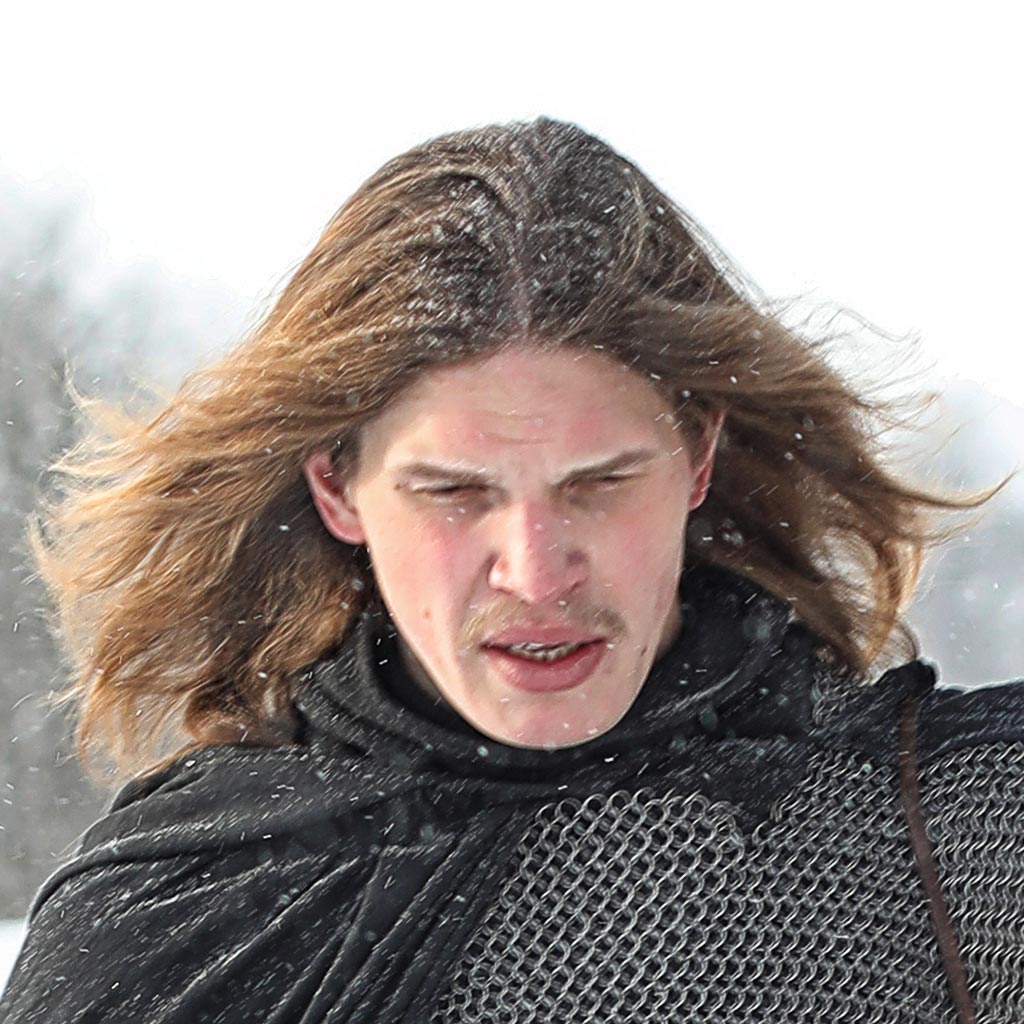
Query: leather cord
column 924, row 856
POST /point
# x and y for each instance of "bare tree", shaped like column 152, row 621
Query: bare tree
column 136, row 327
column 45, row 799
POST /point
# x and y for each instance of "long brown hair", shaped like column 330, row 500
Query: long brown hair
column 191, row 574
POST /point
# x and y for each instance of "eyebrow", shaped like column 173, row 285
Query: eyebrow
column 467, row 474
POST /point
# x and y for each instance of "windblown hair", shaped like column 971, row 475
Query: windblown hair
column 191, row 573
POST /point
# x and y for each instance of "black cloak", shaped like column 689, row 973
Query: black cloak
column 340, row 879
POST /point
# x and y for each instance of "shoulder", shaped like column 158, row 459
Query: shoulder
column 953, row 718
column 948, row 719
column 235, row 802
column 226, row 854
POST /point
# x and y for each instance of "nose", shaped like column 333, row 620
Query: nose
column 535, row 556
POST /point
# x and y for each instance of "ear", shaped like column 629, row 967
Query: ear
column 704, row 457
column 332, row 499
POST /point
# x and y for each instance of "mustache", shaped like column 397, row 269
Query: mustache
column 581, row 615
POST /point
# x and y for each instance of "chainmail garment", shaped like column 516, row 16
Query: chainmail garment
column 974, row 805
column 654, row 906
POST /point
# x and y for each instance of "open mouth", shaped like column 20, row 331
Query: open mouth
column 542, row 667
column 543, row 652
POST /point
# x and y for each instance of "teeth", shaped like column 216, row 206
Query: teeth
column 542, row 652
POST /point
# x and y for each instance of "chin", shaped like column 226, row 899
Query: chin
column 548, row 731
column 546, row 742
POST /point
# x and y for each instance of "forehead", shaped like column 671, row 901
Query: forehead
column 577, row 400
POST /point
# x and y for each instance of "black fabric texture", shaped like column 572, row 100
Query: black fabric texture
column 338, row 880
column 395, row 680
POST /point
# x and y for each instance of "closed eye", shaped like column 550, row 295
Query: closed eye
column 608, row 480
column 447, row 491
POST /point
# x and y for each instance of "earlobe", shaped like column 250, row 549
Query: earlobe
column 332, row 500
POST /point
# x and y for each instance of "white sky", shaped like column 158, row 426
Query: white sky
column 867, row 153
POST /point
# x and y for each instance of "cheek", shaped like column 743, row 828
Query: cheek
column 643, row 559
column 648, row 536
column 427, row 570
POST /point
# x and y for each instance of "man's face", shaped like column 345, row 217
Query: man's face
column 525, row 516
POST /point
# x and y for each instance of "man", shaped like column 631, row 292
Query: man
column 493, row 635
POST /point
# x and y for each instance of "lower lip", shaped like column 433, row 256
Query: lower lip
column 547, row 676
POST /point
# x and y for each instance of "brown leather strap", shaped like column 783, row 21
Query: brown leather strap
column 926, row 868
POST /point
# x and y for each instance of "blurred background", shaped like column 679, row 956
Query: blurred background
column 163, row 168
